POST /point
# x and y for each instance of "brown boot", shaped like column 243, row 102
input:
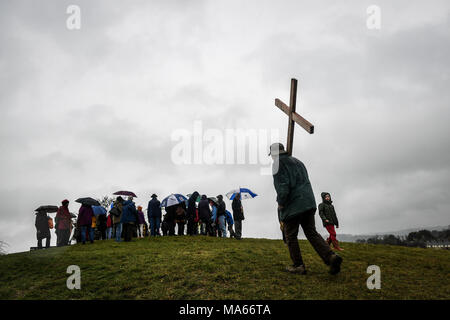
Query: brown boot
column 336, row 246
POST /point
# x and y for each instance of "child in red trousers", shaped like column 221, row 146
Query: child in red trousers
column 329, row 219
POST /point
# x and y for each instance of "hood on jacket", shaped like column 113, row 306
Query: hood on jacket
column 193, row 198
column 324, row 194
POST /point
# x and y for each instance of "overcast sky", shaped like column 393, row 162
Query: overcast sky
column 88, row 112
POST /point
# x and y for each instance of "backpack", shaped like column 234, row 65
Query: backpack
column 115, row 211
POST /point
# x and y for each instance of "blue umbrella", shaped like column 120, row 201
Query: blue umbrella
column 173, row 199
column 245, row 193
column 98, row 210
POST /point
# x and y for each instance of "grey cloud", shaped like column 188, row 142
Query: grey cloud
column 89, row 112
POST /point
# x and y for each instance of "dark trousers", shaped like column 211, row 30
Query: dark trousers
column 63, row 237
column 47, row 242
column 306, row 220
column 238, row 229
column 171, row 227
column 190, row 227
column 128, row 229
column 230, row 229
column 180, row 228
column 102, row 233
column 154, row 225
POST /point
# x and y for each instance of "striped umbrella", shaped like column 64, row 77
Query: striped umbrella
column 172, row 200
column 245, row 193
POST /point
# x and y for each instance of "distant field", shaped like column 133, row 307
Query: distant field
column 214, row 268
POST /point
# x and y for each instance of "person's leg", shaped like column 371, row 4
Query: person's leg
column 237, row 229
column 291, row 235
column 58, row 238
column 125, row 231
column 128, row 231
column 230, row 229
column 91, row 234
column 318, row 243
column 223, row 231
column 332, row 232
column 64, row 237
column 181, row 229
column 152, row 226
column 157, row 226
column 190, row 227
column 333, row 239
column 133, row 231
column 118, row 232
column 83, row 234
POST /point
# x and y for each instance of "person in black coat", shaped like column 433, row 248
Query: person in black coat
column 154, row 215
column 101, row 225
column 204, row 215
column 238, row 215
column 42, row 229
column 191, row 215
column 329, row 219
column 170, row 218
column 180, row 218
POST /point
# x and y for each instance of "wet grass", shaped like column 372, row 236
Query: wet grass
column 214, row 268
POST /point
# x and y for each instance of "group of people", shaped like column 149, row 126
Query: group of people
column 296, row 207
column 125, row 221
column 208, row 217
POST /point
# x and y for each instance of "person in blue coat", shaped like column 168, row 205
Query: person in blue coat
column 129, row 218
column 230, row 222
column 154, row 215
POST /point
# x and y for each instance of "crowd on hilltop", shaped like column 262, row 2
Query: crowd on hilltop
column 198, row 215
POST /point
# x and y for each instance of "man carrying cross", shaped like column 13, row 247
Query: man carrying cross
column 295, row 197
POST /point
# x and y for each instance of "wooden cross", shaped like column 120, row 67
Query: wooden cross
column 293, row 116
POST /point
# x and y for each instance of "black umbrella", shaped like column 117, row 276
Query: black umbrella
column 88, row 201
column 47, row 209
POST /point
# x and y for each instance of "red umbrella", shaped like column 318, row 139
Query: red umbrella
column 125, row 193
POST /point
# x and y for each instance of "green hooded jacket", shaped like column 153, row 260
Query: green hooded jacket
column 294, row 191
column 327, row 212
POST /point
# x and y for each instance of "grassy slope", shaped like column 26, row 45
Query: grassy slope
column 213, row 268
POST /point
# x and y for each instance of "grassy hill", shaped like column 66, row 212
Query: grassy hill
column 213, row 268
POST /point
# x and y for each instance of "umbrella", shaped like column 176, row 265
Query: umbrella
column 213, row 199
column 98, row 210
column 47, row 209
column 172, row 200
column 125, row 193
column 245, row 193
column 88, row 201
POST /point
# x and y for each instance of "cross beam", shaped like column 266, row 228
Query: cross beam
column 293, row 116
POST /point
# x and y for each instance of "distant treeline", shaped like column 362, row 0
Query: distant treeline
column 413, row 239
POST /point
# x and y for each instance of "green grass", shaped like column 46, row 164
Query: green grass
column 214, row 268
